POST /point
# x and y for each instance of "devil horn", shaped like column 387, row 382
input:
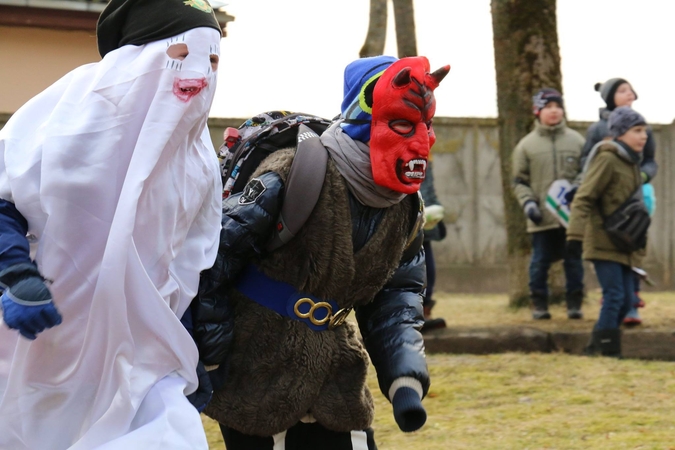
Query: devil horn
column 439, row 74
column 402, row 78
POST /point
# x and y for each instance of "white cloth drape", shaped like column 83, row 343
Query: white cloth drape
column 118, row 179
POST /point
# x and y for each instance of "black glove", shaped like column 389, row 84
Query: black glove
column 533, row 212
column 202, row 396
column 408, row 410
column 574, row 248
column 26, row 301
column 569, row 195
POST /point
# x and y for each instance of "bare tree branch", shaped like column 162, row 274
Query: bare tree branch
column 377, row 29
column 406, row 38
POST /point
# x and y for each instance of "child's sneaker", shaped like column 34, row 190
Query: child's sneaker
column 632, row 318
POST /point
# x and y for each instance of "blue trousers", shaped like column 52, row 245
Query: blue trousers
column 548, row 247
column 618, row 291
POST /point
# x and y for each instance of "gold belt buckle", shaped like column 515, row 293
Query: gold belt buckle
column 333, row 320
column 339, row 318
column 310, row 314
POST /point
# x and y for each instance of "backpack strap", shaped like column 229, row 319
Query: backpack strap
column 303, row 186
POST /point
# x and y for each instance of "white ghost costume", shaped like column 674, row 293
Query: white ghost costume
column 115, row 172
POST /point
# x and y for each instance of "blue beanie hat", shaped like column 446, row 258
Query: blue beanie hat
column 360, row 78
column 623, row 119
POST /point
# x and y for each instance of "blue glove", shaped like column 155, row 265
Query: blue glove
column 649, row 198
column 408, row 410
column 202, row 396
column 569, row 195
column 26, row 302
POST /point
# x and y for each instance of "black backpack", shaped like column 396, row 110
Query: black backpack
column 248, row 145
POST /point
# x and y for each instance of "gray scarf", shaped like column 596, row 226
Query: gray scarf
column 352, row 159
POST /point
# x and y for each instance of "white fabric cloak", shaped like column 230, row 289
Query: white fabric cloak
column 114, row 169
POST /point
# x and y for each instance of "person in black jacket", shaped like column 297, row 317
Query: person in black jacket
column 618, row 92
column 270, row 325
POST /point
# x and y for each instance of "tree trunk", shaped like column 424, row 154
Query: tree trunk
column 404, row 17
column 377, row 29
column 527, row 58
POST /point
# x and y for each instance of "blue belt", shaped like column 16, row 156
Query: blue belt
column 285, row 300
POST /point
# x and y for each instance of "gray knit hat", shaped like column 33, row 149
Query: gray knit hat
column 623, row 119
column 608, row 89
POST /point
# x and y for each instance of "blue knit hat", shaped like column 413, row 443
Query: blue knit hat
column 360, row 78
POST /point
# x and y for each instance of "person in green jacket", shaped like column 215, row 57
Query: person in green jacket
column 618, row 92
column 550, row 152
column 611, row 176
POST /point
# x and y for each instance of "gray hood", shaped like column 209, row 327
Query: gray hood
column 623, row 153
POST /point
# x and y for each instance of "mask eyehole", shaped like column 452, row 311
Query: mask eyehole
column 178, row 51
column 214, row 59
column 402, row 127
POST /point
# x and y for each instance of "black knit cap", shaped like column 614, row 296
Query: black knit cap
column 137, row 22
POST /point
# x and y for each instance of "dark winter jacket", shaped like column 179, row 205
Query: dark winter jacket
column 14, row 248
column 279, row 370
column 600, row 130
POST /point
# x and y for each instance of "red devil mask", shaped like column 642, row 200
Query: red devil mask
column 401, row 133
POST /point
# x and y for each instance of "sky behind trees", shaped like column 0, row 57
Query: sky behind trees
column 291, row 54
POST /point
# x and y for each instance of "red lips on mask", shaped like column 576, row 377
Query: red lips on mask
column 401, row 133
column 186, row 88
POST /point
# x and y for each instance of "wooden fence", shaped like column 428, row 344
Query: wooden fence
column 468, row 183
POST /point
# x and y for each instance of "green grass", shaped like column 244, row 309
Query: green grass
column 493, row 309
column 535, row 401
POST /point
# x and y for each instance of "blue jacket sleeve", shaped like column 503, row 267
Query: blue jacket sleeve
column 593, row 136
column 391, row 323
column 247, row 225
column 14, row 248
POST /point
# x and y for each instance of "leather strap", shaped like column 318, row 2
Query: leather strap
column 303, row 186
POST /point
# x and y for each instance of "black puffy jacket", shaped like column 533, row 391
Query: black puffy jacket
column 389, row 324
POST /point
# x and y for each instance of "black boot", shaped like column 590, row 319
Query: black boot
column 429, row 323
column 539, row 306
column 609, row 342
column 574, row 301
column 605, row 343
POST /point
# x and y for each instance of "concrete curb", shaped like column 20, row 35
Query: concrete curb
column 636, row 344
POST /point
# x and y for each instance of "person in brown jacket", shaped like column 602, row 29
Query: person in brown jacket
column 612, row 176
